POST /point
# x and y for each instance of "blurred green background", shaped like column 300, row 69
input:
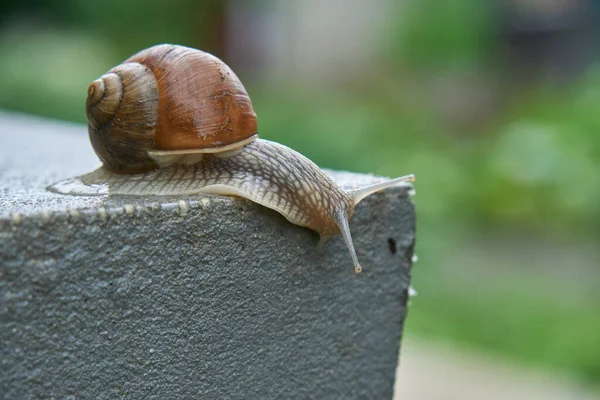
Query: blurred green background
column 494, row 105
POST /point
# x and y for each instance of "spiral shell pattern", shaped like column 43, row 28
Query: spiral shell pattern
column 165, row 99
column 122, row 108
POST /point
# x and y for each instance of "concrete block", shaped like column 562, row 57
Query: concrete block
column 190, row 297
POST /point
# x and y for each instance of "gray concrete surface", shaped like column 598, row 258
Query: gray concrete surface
column 196, row 297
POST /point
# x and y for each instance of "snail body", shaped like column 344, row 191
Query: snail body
column 166, row 141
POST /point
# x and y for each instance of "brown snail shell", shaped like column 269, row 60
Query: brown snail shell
column 163, row 99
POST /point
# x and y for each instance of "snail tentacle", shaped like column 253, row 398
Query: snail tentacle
column 359, row 194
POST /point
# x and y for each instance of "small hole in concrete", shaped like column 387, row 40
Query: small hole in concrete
column 392, row 245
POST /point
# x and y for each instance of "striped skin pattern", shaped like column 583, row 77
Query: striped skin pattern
column 264, row 172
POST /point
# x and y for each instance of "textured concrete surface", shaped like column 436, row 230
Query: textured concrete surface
column 194, row 297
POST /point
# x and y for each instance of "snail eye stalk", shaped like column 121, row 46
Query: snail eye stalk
column 358, row 195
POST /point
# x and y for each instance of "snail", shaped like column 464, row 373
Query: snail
column 172, row 120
